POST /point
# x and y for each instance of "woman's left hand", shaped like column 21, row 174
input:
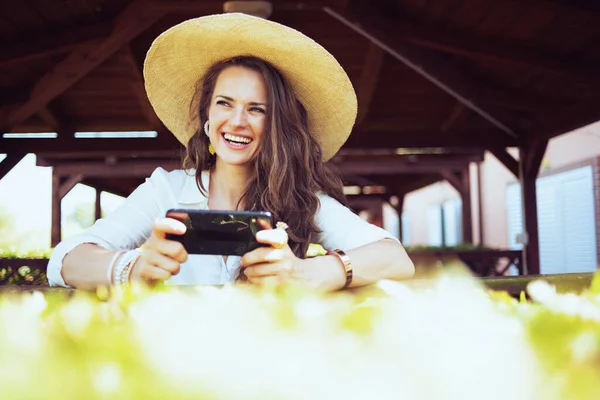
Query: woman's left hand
column 273, row 263
column 278, row 264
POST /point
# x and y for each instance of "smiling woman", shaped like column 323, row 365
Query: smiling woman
column 260, row 108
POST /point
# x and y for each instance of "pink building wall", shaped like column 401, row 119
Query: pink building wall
column 563, row 151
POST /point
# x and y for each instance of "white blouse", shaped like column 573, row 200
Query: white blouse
column 131, row 224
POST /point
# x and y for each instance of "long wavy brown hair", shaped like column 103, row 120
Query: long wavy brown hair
column 288, row 169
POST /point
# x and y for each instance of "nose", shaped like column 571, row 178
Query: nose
column 239, row 117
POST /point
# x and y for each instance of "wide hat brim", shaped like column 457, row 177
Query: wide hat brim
column 180, row 57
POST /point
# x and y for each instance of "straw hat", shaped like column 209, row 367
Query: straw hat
column 180, row 56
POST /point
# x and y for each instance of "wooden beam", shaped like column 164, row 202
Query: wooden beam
column 52, row 43
column 136, row 61
column 579, row 8
column 129, row 169
column 428, row 138
column 505, row 158
column 417, row 184
column 88, row 145
column 9, row 162
column 136, row 18
column 368, row 81
column 56, row 122
column 68, row 182
column 216, row 6
column 13, row 95
column 465, row 44
column 383, row 32
column 454, row 179
column 568, row 119
column 391, row 166
column 458, row 114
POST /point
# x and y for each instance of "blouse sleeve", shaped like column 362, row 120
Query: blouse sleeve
column 342, row 229
column 125, row 228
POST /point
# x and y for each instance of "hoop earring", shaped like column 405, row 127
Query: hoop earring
column 206, row 127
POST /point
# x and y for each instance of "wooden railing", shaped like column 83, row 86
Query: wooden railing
column 481, row 262
column 23, row 271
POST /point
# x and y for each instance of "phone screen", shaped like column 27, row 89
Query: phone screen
column 220, row 232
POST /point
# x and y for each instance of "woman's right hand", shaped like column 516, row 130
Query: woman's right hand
column 160, row 258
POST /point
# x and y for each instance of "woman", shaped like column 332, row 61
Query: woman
column 259, row 107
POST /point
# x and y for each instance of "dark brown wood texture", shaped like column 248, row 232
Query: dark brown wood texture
column 453, row 74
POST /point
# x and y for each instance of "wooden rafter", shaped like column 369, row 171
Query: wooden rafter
column 458, row 114
column 136, row 18
column 417, row 183
column 508, row 160
column 454, row 179
column 216, row 6
column 56, row 122
column 52, row 43
column 382, row 32
column 368, row 80
column 9, row 162
column 578, row 8
column 67, row 183
column 487, row 49
column 137, row 86
column 569, row 118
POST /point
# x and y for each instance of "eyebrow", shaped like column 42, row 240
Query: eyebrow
column 253, row 103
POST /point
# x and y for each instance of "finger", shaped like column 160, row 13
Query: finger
column 161, row 261
column 264, row 223
column 150, row 273
column 266, row 269
column 262, row 255
column 162, row 226
column 172, row 249
column 266, row 280
column 277, row 238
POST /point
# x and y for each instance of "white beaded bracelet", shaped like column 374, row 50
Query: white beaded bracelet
column 124, row 266
column 111, row 266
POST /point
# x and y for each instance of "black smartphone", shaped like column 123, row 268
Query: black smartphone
column 225, row 233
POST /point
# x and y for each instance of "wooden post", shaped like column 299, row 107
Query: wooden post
column 61, row 185
column 55, row 235
column 467, row 217
column 98, row 205
column 461, row 182
column 531, row 154
column 399, row 207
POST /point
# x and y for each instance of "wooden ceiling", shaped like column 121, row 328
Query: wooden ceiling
column 476, row 74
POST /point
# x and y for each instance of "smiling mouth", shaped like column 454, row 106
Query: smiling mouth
column 236, row 140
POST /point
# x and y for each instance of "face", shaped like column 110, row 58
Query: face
column 237, row 115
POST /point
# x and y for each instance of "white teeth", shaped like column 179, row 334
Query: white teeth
column 238, row 139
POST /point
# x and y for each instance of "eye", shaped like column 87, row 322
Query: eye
column 258, row 109
column 223, row 103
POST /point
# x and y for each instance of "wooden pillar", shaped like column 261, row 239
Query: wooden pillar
column 399, row 206
column 531, row 154
column 98, row 205
column 467, row 216
column 55, row 234
column 461, row 181
column 61, row 185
